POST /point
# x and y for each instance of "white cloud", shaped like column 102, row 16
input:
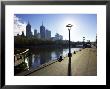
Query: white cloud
column 19, row 26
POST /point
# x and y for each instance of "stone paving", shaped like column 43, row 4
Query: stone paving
column 83, row 63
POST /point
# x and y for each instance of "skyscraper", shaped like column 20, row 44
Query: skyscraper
column 28, row 30
column 42, row 31
column 35, row 33
column 38, row 35
column 47, row 34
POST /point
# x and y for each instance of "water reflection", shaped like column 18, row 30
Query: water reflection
column 35, row 61
column 38, row 57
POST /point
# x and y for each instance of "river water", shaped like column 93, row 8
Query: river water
column 38, row 57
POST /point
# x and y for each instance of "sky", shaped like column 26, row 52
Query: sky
column 84, row 25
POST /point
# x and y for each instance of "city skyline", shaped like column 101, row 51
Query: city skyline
column 84, row 25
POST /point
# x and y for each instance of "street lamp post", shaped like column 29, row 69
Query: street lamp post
column 69, row 54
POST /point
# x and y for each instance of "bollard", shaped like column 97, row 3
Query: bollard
column 74, row 52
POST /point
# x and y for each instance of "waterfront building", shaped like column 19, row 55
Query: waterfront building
column 96, row 41
column 53, row 38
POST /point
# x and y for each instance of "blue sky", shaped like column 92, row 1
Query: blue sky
column 84, row 25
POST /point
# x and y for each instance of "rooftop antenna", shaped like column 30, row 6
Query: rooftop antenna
column 28, row 22
column 42, row 23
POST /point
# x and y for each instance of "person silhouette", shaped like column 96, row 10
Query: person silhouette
column 60, row 59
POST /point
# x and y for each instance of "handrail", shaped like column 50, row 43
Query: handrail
column 23, row 52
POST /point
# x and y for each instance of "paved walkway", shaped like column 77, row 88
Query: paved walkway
column 83, row 63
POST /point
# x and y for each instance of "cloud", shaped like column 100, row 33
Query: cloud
column 19, row 26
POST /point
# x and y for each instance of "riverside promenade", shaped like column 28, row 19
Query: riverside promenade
column 83, row 63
